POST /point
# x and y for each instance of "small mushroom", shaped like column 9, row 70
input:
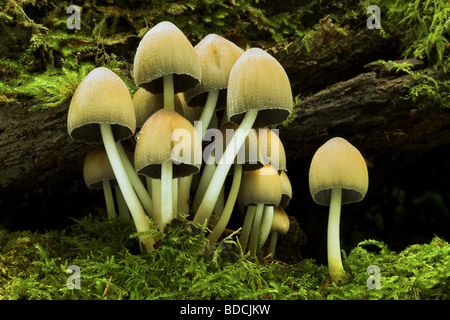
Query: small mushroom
column 280, row 225
column 338, row 175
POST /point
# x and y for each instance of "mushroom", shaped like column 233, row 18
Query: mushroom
column 157, row 150
column 217, row 56
column 286, row 189
column 165, row 62
column 280, row 224
column 262, row 189
column 247, row 162
column 259, row 95
column 338, row 175
column 97, row 174
column 101, row 110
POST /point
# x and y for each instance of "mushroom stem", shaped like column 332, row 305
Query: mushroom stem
column 166, row 193
column 136, row 182
column 110, row 207
column 184, row 192
column 121, row 204
column 169, row 95
column 208, row 111
column 273, row 243
column 212, row 192
column 156, row 195
column 266, row 224
column 205, row 177
column 256, row 228
column 247, row 226
column 136, row 210
column 333, row 246
column 229, row 205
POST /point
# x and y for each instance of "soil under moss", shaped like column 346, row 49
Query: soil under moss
column 185, row 267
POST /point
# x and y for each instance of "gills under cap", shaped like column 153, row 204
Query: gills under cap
column 258, row 82
column 102, row 97
column 338, row 164
column 261, row 186
column 165, row 50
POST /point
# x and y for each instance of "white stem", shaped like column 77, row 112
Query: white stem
column 156, row 196
column 133, row 203
column 205, row 178
column 266, row 224
column 184, row 193
column 138, row 186
column 273, row 243
column 174, row 198
column 229, row 205
column 333, row 245
column 169, row 95
column 247, row 226
column 208, row 111
column 166, row 193
column 212, row 192
column 109, row 200
column 256, row 229
column 121, row 204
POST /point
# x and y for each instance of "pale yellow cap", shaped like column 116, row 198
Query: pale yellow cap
column 258, row 82
column 165, row 50
column 261, row 186
column 280, row 222
column 338, row 164
column 272, row 148
column 217, row 56
column 146, row 103
column 166, row 131
column 102, row 97
column 286, row 189
column 97, row 168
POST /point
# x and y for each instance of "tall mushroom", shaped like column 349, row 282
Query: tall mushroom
column 159, row 146
column 338, row 175
column 259, row 95
column 101, row 111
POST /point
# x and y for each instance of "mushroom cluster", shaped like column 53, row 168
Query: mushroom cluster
column 202, row 148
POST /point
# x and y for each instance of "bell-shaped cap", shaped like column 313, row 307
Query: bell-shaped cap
column 338, row 164
column 146, row 103
column 280, row 222
column 102, row 97
column 272, row 149
column 261, row 186
column 286, row 189
column 217, row 56
column 258, row 82
column 165, row 136
column 97, row 168
column 165, row 50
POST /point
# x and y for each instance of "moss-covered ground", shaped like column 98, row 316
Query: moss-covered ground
column 183, row 266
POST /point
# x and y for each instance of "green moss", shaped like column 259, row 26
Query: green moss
column 184, row 266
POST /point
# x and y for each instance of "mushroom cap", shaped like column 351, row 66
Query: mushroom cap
column 158, row 137
column 217, row 56
column 165, row 50
column 258, row 82
column 286, row 189
column 280, row 222
column 249, row 154
column 102, row 97
column 97, row 168
column 338, row 164
column 261, row 186
column 272, row 148
column 146, row 103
